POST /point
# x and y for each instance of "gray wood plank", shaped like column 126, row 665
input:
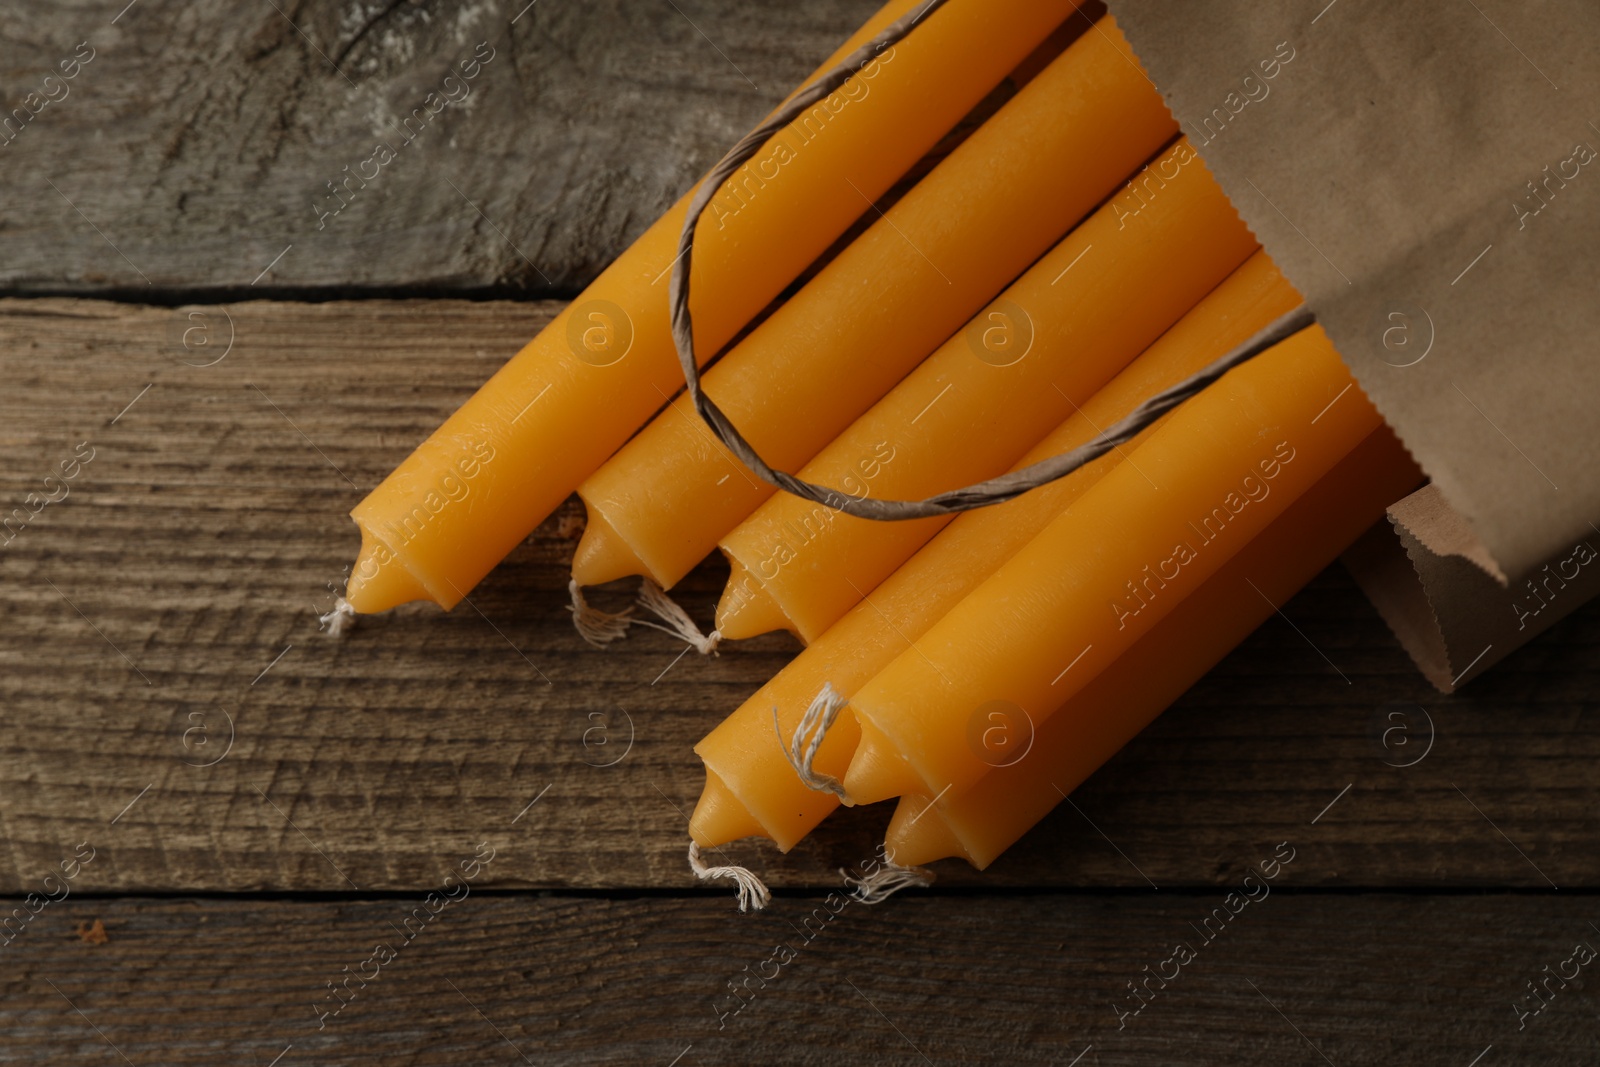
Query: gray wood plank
column 180, row 578
column 196, row 144
column 1294, row 978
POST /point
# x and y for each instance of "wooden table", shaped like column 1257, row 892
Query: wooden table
column 266, row 805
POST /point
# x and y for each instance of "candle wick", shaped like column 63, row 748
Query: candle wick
column 814, row 725
column 678, row 623
column 753, row 895
column 340, row 619
column 886, row 881
column 597, row 627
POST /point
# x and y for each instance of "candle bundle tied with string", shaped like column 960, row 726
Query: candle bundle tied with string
column 918, row 749
column 1151, row 421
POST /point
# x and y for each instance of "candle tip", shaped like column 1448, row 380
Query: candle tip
column 721, row 816
column 604, row 555
column 918, row 833
column 747, row 608
column 878, row 771
column 380, row 581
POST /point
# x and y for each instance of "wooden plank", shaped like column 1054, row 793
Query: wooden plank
column 192, row 150
column 1292, row 979
column 181, row 576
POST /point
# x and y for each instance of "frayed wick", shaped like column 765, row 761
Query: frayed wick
column 597, row 627
column 808, row 735
column 674, row 620
column 338, row 621
column 753, row 895
column 886, row 881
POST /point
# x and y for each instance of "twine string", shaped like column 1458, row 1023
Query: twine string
column 993, row 491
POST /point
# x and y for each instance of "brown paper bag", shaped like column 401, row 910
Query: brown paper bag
column 1427, row 174
column 1425, row 572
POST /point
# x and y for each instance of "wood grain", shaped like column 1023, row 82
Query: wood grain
column 1295, row 978
column 181, row 578
column 196, row 145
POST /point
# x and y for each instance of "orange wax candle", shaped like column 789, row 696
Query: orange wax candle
column 1096, row 579
column 980, row 218
column 1023, row 364
column 750, row 788
column 546, row 420
column 1106, row 714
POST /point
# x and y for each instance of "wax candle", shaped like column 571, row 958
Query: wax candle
column 986, row 212
column 972, row 408
column 1097, row 578
column 546, row 420
column 1106, row 714
column 750, row 788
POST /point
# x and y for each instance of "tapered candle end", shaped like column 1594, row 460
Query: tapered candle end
column 604, row 555
column 747, row 609
column 878, row 771
column 379, row 580
column 918, row 833
column 720, row 816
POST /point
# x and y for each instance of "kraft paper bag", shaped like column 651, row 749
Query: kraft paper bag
column 1427, row 175
column 1425, row 572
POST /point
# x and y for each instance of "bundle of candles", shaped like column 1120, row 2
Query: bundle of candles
column 1069, row 259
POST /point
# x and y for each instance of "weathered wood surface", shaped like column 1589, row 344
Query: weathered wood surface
column 167, row 701
column 181, row 576
column 1428, row 981
column 196, row 145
